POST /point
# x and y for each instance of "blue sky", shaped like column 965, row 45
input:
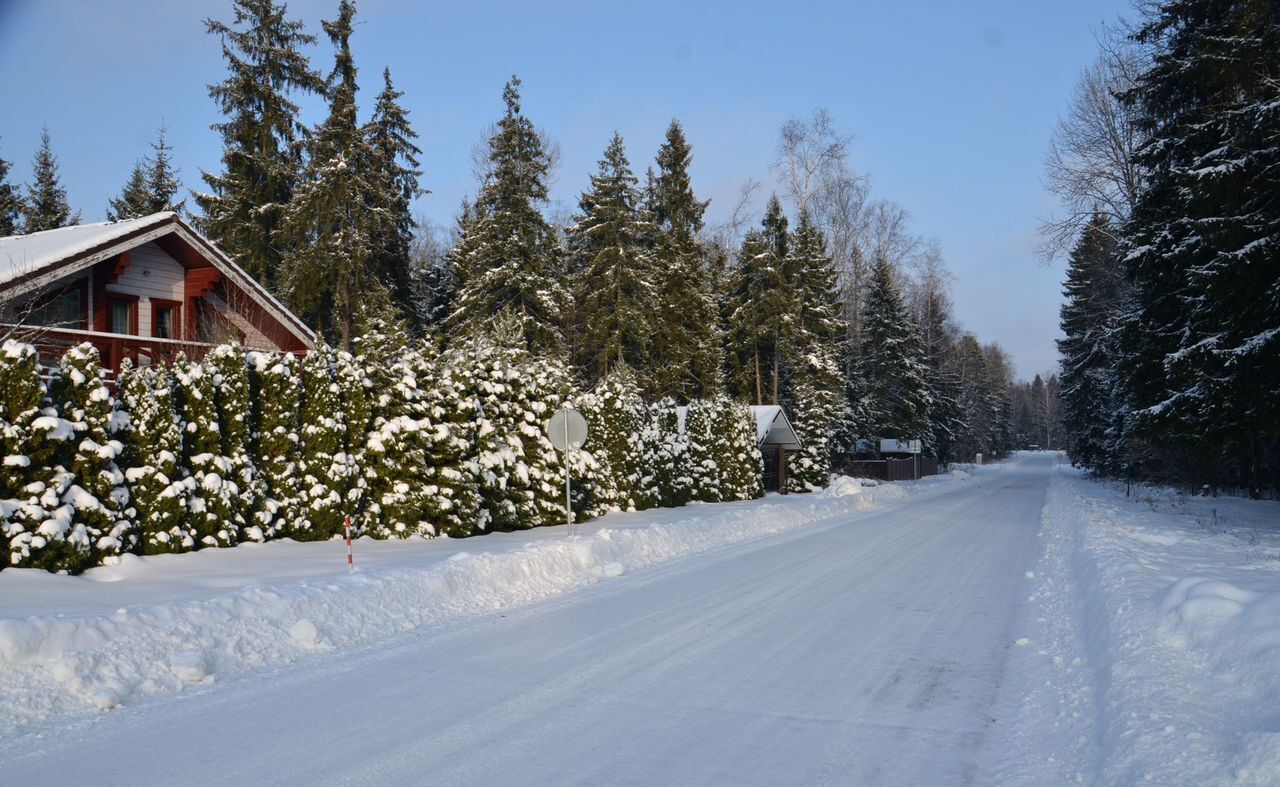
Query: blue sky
column 950, row 104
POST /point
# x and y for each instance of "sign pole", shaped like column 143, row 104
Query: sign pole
column 568, row 501
column 346, row 523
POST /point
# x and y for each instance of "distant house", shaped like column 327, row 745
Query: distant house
column 144, row 289
column 776, row 439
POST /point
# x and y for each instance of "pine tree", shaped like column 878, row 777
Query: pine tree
column 153, row 450
column 1201, row 347
column 276, row 390
column 393, row 178
column 152, row 185
column 328, row 273
column 614, row 282
column 99, row 529
column 261, row 151
column 687, row 355
column 514, row 261
column 893, row 363
column 354, row 387
column 212, row 516
column 11, row 205
column 46, row 206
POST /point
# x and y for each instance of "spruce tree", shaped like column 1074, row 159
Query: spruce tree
column 686, row 360
column 614, row 282
column 763, row 310
column 152, row 185
column 817, row 384
column 1201, row 347
column 1094, row 293
column 514, row 261
column 328, row 273
column 153, row 450
column 892, row 362
column 46, row 207
column 132, row 201
column 11, row 205
column 261, row 154
column 393, row 179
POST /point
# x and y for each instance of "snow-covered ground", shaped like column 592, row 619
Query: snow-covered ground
column 1021, row 626
column 148, row 626
column 1153, row 635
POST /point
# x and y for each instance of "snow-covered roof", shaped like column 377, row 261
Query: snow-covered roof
column 772, row 426
column 21, row 255
column 29, row 262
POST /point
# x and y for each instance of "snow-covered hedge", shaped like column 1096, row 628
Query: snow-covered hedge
column 404, row 438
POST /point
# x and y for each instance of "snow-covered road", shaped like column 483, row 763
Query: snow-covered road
column 866, row 649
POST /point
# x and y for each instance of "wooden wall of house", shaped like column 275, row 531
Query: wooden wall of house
column 151, row 274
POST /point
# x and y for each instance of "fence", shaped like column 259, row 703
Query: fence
column 891, row 469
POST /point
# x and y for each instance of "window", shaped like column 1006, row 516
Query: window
column 122, row 316
column 164, row 319
column 61, row 311
column 164, row 322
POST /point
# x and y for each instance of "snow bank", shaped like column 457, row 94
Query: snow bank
column 151, row 625
column 1157, row 625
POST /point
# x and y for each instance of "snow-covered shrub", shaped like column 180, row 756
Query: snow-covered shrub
column 32, row 441
column 153, row 450
column 521, row 477
column 669, row 449
column 736, row 446
column 702, row 457
column 422, row 475
column 321, row 451
column 354, row 387
column 233, row 398
column 92, row 524
column 616, row 419
column 276, row 392
column 211, row 490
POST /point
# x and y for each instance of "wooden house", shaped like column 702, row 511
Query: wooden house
column 144, row 289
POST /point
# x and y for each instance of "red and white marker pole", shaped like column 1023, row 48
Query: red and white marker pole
column 351, row 565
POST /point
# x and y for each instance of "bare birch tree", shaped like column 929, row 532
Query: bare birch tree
column 1090, row 165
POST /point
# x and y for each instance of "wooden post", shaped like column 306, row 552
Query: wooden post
column 782, row 470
